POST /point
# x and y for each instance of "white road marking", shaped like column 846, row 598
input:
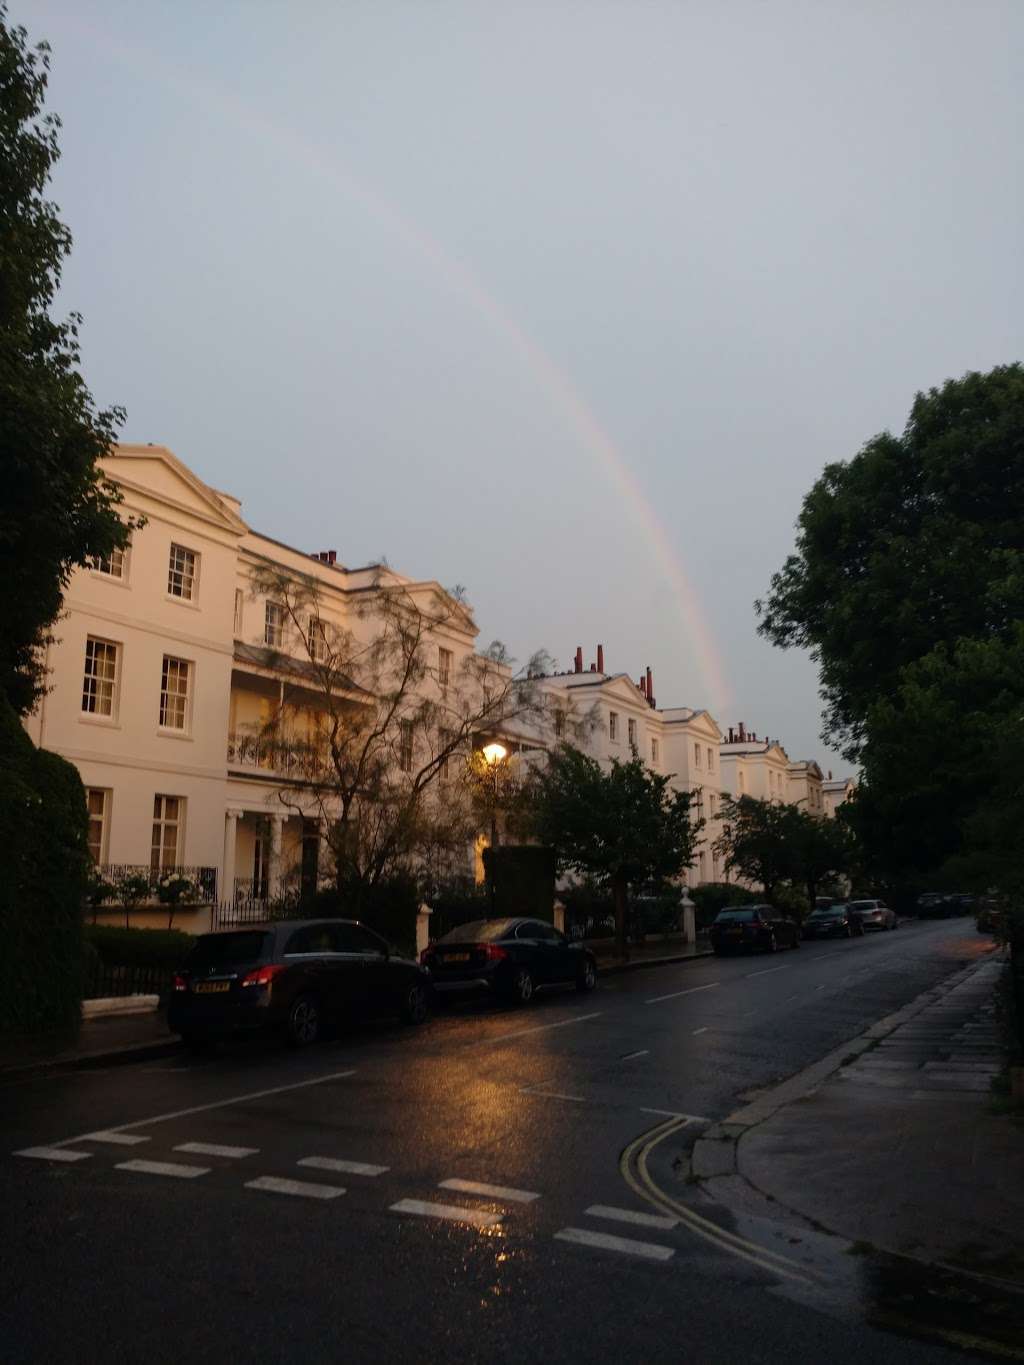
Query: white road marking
column 700, row 1030
column 217, row 1104
column 551, row 1094
column 821, row 988
column 53, row 1154
column 214, row 1149
column 606, row 1242
column 644, row 1220
column 676, row 994
column 674, row 1114
column 766, row 972
column 542, row 1028
column 631, row 1056
column 173, row 1168
column 450, row 1212
column 501, row 1192
column 791, row 997
column 330, row 1163
column 305, row 1189
column 116, row 1139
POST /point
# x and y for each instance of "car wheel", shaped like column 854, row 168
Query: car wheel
column 415, row 1004
column 773, row 946
column 303, row 1026
column 587, row 979
column 521, row 988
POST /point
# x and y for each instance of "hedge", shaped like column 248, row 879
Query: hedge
column 120, row 947
column 524, row 880
column 43, row 863
column 390, row 908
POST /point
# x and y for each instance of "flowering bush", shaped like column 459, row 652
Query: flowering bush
column 132, row 888
column 173, row 888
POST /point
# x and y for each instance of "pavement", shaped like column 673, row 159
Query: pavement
column 494, row 1185
column 900, row 1144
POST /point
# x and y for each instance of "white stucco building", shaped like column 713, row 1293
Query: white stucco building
column 834, row 791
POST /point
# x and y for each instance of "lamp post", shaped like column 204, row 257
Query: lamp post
column 495, row 755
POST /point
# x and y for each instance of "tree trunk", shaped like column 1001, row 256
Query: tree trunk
column 620, row 888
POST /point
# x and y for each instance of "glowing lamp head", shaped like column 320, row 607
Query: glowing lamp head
column 494, row 753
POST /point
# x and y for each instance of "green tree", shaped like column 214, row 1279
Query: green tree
column 916, row 542
column 57, row 510
column 755, row 840
column 621, row 827
column 817, row 850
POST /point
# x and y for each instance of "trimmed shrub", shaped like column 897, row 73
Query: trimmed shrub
column 389, row 908
column 43, row 867
column 119, row 947
column 524, row 880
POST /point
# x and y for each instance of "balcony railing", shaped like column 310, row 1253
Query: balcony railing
column 269, row 755
column 204, row 879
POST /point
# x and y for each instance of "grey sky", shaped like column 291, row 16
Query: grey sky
column 360, row 263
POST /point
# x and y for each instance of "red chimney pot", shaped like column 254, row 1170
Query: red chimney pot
column 600, row 658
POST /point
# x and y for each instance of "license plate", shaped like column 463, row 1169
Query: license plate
column 455, row 957
column 211, row 987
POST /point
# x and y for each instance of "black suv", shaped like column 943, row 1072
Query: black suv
column 753, row 926
column 292, row 976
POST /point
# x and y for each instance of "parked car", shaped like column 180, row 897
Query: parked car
column 737, row 927
column 510, row 957
column 991, row 916
column 874, row 914
column 833, row 921
column 936, row 905
column 293, row 976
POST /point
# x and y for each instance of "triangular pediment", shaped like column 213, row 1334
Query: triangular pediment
column 157, row 472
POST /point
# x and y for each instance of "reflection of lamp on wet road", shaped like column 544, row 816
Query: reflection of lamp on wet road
column 495, row 755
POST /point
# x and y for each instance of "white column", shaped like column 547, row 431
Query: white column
column 227, row 886
column 274, row 861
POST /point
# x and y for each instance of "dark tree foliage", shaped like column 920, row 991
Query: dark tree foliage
column 621, row 827
column 754, row 841
column 915, row 543
column 56, row 509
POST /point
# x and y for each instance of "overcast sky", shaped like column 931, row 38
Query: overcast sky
column 565, row 302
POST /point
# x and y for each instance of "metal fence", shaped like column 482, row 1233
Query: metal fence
column 205, row 878
column 104, row 980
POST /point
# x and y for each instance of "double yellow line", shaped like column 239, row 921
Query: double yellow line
column 633, row 1166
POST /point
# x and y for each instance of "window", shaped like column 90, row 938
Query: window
column 239, row 608
column 711, row 805
column 654, row 751
column 183, row 573
column 405, row 746
column 444, row 666
column 168, row 826
column 711, row 759
column 613, row 725
column 317, row 633
column 356, row 938
column 445, row 738
column 174, row 693
column 696, row 756
column 99, row 689
column 631, row 732
column 559, row 724
column 97, row 800
column 313, row 939
column 273, row 626
column 114, row 565
column 700, row 867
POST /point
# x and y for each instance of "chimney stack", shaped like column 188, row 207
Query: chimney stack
column 600, row 658
column 731, row 740
column 578, row 664
column 743, row 732
column 593, row 668
column 650, row 688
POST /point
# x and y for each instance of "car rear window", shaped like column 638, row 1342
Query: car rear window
column 480, row 931
column 862, row 905
column 746, row 915
column 224, row 950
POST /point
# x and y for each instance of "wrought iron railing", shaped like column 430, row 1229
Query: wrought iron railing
column 103, row 980
column 203, row 878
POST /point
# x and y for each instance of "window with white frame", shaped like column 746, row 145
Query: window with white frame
column 174, row 693
column 445, row 659
column 711, row 805
column 631, row 733
column 97, row 801
column 711, row 759
column 654, row 751
column 559, row 723
column 613, row 725
column 239, row 611
column 99, row 686
column 183, row 573
column 113, row 565
column 317, row 635
column 273, row 625
column 168, row 832
column 405, row 746
column 696, row 756
column 445, row 738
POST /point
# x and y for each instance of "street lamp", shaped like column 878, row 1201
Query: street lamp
column 494, row 756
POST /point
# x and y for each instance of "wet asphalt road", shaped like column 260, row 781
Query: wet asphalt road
column 103, row 1262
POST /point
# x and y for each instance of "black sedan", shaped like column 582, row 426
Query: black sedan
column 753, row 926
column 293, row 976
column 837, row 921
column 509, row 957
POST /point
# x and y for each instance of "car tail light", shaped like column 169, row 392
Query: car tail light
column 180, row 983
column 493, row 953
column 262, row 976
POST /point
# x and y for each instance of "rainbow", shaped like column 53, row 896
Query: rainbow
column 563, row 395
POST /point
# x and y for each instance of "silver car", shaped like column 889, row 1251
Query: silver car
column 874, row 914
